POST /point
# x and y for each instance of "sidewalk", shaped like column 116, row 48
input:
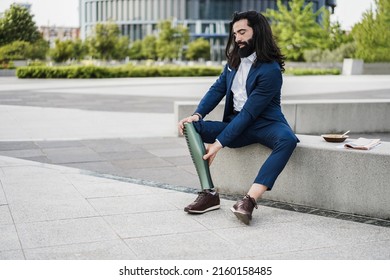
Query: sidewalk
column 55, row 212
column 94, row 183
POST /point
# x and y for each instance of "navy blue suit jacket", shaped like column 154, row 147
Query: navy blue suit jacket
column 263, row 87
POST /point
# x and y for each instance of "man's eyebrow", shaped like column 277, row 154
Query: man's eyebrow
column 242, row 29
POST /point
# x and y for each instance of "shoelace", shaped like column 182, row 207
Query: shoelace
column 252, row 200
column 200, row 195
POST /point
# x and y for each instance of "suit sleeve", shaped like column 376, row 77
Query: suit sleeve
column 214, row 95
column 268, row 85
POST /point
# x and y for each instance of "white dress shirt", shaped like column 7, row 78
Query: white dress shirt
column 239, row 83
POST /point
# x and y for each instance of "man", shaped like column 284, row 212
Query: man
column 251, row 82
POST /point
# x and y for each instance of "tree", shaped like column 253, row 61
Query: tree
column 62, row 51
column 296, row 29
column 17, row 24
column 79, row 49
column 38, row 49
column 372, row 34
column 106, row 43
column 66, row 50
column 149, row 47
column 121, row 50
column 19, row 50
column 171, row 40
column 135, row 51
column 333, row 44
column 199, row 48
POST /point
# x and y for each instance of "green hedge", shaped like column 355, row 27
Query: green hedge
column 88, row 72
column 311, row 71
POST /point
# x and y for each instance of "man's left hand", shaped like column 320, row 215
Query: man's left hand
column 211, row 151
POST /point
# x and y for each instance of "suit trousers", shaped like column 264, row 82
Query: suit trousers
column 277, row 136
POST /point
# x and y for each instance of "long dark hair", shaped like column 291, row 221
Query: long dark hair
column 265, row 46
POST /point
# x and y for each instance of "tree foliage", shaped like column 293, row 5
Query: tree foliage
column 149, row 47
column 296, row 29
column 68, row 49
column 135, row 51
column 105, row 43
column 170, row 41
column 17, row 24
column 198, row 49
column 20, row 50
column 372, row 34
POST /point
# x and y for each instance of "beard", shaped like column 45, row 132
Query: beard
column 247, row 49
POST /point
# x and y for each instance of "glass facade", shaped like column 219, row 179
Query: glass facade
column 204, row 18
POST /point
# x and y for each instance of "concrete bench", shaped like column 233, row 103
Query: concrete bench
column 319, row 174
column 318, row 117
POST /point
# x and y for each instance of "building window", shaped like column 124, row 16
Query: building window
column 86, row 12
column 97, row 11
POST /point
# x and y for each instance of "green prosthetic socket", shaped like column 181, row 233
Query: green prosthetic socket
column 197, row 151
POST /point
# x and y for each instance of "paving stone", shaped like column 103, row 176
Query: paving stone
column 12, row 255
column 169, row 175
column 9, row 238
column 130, row 204
column 111, row 156
column 104, row 250
column 5, row 215
column 103, row 167
column 200, row 245
column 110, row 145
column 42, row 159
column 23, row 153
column 3, row 200
column 64, row 232
column 71, row 155
column 377, row 250
column 17, row 145
column 140, row 163
column 158, row 223
column 58, row 144
column 113, row 189
column 169, row 152
column 48, row 210
column 180, row 160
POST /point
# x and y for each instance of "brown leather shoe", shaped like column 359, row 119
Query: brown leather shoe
column 206, row 201
column 243, row 209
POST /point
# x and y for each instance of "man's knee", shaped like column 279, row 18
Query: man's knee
column 288, row 141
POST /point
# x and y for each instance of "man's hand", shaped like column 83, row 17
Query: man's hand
column 211, row 151
column 193, row 118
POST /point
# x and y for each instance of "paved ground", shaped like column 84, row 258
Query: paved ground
column 90, row 169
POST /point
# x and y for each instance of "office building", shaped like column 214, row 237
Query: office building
column 204, row 18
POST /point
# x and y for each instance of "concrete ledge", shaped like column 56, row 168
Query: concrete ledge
column 319, row 174
column 7, row 72
column 359, row 67
column 319, row 116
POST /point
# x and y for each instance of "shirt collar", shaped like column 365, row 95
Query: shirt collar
column 250, row 58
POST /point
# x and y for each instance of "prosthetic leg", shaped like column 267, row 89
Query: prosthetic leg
column 197, row 151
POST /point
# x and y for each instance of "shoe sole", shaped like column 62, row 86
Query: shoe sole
column 242, row 217
column 203, row 211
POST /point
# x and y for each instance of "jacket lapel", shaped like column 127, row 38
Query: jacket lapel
column 249, row 80
column 231, row 75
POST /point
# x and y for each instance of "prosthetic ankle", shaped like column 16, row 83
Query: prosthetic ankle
column 197, row 151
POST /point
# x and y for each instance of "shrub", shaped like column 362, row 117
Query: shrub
column 88, row 72
column 311, row 71
column 7, row 65
column 346, row 50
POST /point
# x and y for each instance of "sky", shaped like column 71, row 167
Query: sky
column 66, row 13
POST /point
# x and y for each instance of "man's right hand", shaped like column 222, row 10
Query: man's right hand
column 193, row 118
